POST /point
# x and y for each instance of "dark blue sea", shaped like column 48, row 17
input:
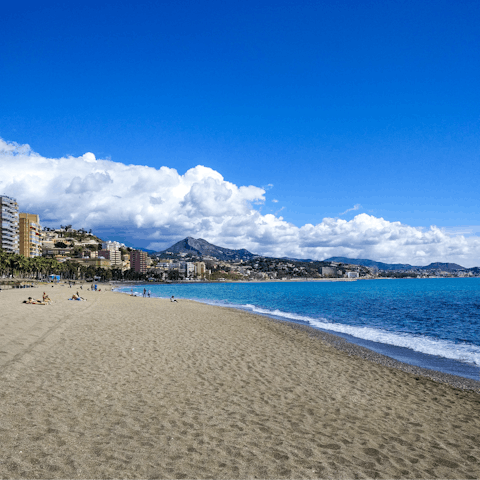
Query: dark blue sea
column 432, row 323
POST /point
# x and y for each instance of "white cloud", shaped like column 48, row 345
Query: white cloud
column 163, row 206
column 275, row 200
column 353, row 209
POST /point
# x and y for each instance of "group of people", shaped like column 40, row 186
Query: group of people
column 46, row 300
column 149, row 293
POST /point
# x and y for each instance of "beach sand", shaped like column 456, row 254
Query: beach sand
column 123, row 387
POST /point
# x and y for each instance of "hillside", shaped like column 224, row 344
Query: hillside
column 447, row 267
column 371, row 263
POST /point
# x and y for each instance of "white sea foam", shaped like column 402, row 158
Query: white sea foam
column 462, row 352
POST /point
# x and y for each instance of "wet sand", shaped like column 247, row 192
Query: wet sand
column 123, row 387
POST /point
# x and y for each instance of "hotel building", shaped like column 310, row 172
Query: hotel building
column 30, row 235
column 138, row 261
column 9, row 229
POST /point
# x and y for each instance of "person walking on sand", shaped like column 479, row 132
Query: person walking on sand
column 144, row 292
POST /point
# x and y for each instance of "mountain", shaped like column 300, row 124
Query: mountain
column 370, row 263
column 446, row 267
column 202, row 248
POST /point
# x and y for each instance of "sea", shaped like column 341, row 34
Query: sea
column 431, row 323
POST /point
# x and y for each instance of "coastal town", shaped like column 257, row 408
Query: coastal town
column 30, row 250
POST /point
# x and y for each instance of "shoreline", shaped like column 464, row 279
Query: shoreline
column 119, row 386
column 352, row 348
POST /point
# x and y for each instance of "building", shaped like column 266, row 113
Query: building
column 125, row 262
column 138, row 261
column 96, row 262
column 200, row 269
column 352, row 275
column 115, row 257
column 112, row 245
column 9, row 227
column 30, row 235
column 189, row 269
column 329, row 271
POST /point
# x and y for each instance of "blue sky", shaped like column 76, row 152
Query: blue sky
column 324, row 105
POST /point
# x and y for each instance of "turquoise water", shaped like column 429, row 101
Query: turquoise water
column 433, row 323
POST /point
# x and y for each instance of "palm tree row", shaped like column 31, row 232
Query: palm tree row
column 17, row 266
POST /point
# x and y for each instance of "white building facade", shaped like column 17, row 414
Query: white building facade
column 9, row 225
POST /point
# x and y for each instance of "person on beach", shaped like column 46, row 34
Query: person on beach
column 173, row 299
column 34, row 302
column 76, row 297
column 149, row 293
column 144, row 292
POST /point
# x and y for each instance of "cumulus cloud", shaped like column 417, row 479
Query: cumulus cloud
column 162, row 206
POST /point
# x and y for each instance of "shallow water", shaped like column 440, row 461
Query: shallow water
column 433, row 323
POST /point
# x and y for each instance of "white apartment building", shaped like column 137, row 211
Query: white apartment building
column 112, row 245
column 9, row 225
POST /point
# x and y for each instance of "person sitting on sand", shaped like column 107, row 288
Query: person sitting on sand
column 46, row 298
column 173, row 299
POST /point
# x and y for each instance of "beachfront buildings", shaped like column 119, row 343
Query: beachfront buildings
column 115, row 257
column 329, row 271
column 200, row 269
column 111, row 251
column 138, row 261
column 30, row 235
column 9, row 226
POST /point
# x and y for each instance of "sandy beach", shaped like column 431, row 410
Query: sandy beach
column 129, row 387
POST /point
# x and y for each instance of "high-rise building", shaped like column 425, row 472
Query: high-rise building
column 200, row 269
column 9, row 229
column 138, row 261
column 30, row 235
column 115, row 257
